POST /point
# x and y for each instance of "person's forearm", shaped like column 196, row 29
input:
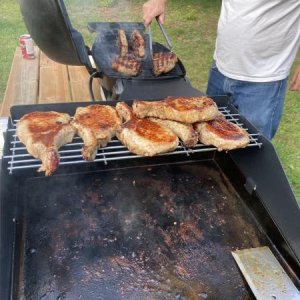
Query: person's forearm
column 152, row 9
column 295, row 81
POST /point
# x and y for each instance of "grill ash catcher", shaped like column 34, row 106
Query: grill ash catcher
column 129, row 227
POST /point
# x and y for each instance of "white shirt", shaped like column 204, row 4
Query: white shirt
column 257, row 40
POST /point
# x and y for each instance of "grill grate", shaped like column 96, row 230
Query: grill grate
column 71, row 153
column 105, row 50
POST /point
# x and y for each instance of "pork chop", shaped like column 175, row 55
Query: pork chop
column 43, row 133
column 127, row 65
column 222, row 134
column 185, row 132
column 182, row 109
column 96, row 125
column 142, row 136
column 137, row 44
column 163, row 62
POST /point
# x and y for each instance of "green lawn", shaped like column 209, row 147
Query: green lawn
column 191, row 25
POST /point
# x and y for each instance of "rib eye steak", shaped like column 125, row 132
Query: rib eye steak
column 122, row 42
column 163, row 62
column 137, row 44
column 126, row 64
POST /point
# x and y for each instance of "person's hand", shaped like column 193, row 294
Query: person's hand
column 295, row 81
column 152, row 9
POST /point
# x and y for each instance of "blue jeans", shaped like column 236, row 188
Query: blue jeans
column 260, row 102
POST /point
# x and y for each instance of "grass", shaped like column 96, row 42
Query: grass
column 11, row 27
column 191, row 24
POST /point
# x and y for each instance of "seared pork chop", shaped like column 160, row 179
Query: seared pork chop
column 122, row 42
column 96, row 125
column 127, row 64
column 163, row 62
column 142, row 136
column 182, row 109
column 137, row 44
column 222, row 134
column 43, row 133
column 185, row 132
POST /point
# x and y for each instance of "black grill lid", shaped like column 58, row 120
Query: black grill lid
column 48, row 23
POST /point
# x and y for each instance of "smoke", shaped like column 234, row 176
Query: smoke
column 104, row 10
column 82, row 12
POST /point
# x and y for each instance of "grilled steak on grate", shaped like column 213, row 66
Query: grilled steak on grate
column 185, row 132
column 137, row 43
column 127, row 64
column 43, row 133
column 122, row 42
column 96, row 125
column 163, row 62
column 222, row 134
column 182, row 109
column 142, row 136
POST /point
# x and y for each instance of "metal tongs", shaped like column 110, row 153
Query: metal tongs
column 162, row 29
column 164, row 34
column 150, row 41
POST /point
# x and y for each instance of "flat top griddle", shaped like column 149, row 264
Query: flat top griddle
column 160, row 232
column 105, row 49
column 152, row 228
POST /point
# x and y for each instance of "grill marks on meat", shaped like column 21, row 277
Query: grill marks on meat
column 122, row 42
column 222, row 134
column 185, row 132
column 127, row 64
column 43, row 133
column 182, row 109
column 137, row 44
column 142, row 136
column 96, row 125
column 163, row 62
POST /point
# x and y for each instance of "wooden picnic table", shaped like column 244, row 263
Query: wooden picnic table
column 42, row 80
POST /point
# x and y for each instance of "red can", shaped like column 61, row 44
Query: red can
column 26, row 45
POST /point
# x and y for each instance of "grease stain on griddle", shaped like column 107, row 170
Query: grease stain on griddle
column 164, row 232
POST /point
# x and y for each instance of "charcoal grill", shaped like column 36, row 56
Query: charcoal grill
column 50, row 27
column 104, row 50
column 130, row 227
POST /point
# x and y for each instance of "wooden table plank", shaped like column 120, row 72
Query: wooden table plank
column 54, row 82
column 22, row 85
column 79, row 84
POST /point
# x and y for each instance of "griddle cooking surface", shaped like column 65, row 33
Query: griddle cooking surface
column 105, row 49
column 164, row 232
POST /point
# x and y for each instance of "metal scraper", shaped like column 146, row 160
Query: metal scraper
column 265, row 276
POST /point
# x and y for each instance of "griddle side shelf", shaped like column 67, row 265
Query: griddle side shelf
column 268, row 181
